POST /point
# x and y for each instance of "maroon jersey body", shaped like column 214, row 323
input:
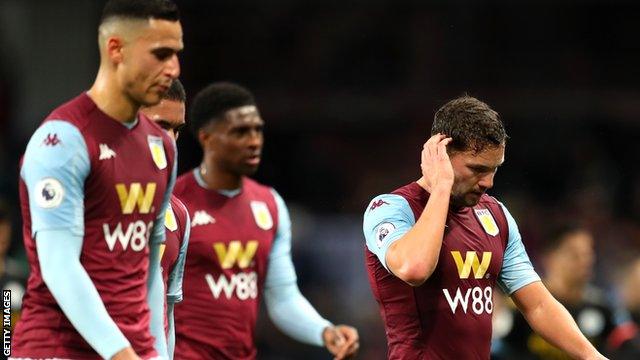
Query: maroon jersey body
column 449, row 316
column 229, row 246
column 174, row 238
column 176, row 222
column 122, row 196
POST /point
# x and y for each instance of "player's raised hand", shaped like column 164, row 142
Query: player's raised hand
column 342, row 341
column 436, row 165
column 598, row 356
column 126, row 354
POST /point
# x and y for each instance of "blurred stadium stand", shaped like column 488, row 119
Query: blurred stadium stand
column 348, row 91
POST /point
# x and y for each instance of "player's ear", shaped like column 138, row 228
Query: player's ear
column 114, row 48
column 203, row 138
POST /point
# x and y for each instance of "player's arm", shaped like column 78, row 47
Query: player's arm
column 55, row 176
column 174, row 291
column 545, row 315
column 289, row 310
column 156, row 292
column 414, row 256
column 552, row 321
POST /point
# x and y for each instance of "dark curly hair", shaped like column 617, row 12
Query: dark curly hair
column 176, row 92
column 213, row 101
column 471, row 123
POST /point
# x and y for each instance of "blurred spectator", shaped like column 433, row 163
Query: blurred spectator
column 568, row 259
column 630, row 289
column 12, row 276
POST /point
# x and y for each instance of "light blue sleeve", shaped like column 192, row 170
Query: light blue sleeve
column 156, row 294
column 75, row 293
column 174, row 287
column 517, row 270
column 155, row 298
column 387, row 218
column 55, row 166
column 289, row 310
column 174, row 291
column 171, row 341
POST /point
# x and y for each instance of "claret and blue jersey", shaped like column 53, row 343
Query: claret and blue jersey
column 450, row 314
column 105, row 183
column 239, row 252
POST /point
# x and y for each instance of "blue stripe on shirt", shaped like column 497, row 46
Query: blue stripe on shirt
column 517, row 270
column 387, row 218
column 289, row 310
column 54, row 176
column 54, row 169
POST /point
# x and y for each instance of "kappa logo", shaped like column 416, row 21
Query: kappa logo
column 51, row 140
column 106, row 153
column 377, row 204
column 201, row 217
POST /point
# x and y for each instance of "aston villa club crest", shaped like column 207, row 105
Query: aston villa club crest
column 162, row 248
column 157, row 151
column 487, row 221
column 262, row 215
column 170, row 219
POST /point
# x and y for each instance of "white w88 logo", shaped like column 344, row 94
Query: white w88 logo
column 244, row 285
column 135, row 235
column 481, row 300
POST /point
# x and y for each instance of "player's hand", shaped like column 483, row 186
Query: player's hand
column 126, row 354
column 342, row 341
column 436, row 165
column 597, row 356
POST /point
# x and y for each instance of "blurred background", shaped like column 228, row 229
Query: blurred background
column 348, row 90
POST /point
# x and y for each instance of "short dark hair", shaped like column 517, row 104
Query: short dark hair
column 176, row 92
column 140, row 9
column 556, row 235
column 471, row 124
column 215, row 100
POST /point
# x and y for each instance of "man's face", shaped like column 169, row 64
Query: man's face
column 150, row 61
column 236, row 140
column 169, row 114
column 474, row 174
column 631, row 287
column 574, row 259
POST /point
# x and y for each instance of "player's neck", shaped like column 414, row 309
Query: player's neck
column 111, row 100
column 217, row 179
